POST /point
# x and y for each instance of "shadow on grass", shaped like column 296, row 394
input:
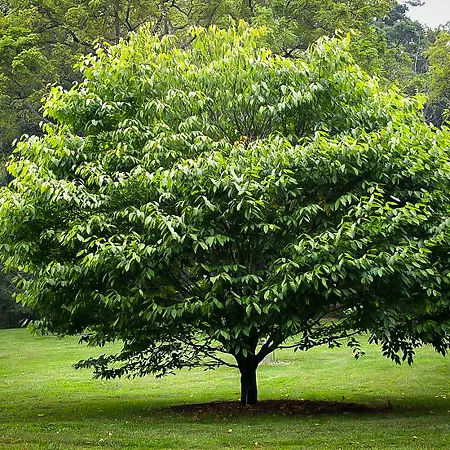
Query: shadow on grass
column 280, row 407
column 133, row 409
column 166, row 409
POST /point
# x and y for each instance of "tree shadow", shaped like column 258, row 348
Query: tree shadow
column 278, row 407
column 135, row 409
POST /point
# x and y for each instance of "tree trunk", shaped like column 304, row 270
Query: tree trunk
column 249, row 389
column 117, row 30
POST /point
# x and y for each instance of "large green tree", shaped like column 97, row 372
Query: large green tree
column 190, row 203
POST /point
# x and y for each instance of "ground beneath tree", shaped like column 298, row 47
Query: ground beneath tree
column 279, row 407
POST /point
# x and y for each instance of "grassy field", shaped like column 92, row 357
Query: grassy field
column 45, row 404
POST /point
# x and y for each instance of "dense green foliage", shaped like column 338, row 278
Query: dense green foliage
column 40, row 40
column 191, row 202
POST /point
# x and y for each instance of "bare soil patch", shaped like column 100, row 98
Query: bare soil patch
column 279, row 407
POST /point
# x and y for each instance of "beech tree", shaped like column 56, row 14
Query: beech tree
column 191, row 203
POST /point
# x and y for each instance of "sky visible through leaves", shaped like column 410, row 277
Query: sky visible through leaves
column 433, row 13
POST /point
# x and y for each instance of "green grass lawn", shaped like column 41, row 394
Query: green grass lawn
column 45, row 404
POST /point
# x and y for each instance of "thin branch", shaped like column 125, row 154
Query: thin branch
column 175, row 6
column 206, row 349
column 37, row 114
column 322, row 341
column 127, row 17
column 223, row 362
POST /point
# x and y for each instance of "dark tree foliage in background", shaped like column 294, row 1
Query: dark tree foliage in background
column 9, row 316
column 438, row 55
column 190, row 203
column 40, row 40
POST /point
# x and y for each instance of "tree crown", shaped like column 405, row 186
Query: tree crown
column 193, row 201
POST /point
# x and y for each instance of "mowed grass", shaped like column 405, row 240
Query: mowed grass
column 45, row 404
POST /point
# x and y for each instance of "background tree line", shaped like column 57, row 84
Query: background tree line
column 41, row 40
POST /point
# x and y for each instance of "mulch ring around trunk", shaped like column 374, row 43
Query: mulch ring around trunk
column 279, row 407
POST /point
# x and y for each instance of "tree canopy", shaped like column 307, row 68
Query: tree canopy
column 192, row 202
column 41, row 40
